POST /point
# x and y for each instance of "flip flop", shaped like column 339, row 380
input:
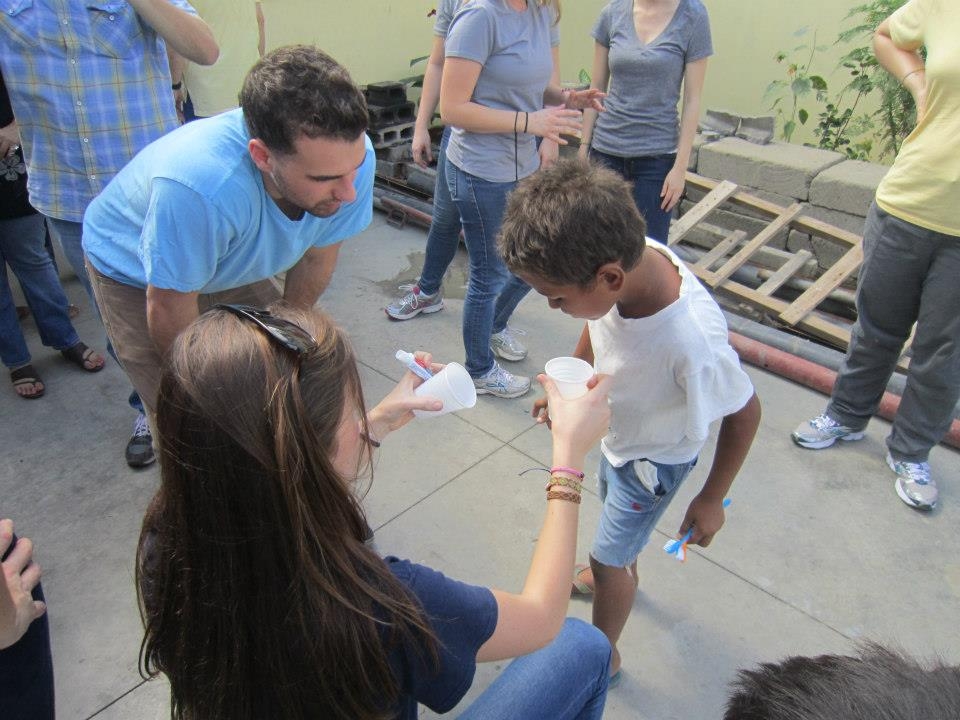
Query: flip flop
column 26, row 375
column 80, row 355
column 615, row 679
column 580, row 587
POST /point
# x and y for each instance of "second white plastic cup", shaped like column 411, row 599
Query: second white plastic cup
column 453, row 385
column 570, row 375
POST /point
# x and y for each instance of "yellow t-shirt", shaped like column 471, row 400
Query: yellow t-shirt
column 923, row 186
column 214, row 89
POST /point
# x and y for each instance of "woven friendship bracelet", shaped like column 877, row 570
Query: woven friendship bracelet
column 558, row 495
column 569, row 471
column 564, row 482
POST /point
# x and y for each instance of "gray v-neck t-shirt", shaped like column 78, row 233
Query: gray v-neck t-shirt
column 641, row 117
column 514, row 50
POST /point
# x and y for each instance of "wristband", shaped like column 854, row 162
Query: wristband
column 569, row 471
column 177, row 85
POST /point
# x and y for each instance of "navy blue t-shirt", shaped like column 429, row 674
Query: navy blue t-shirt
column 463, row 618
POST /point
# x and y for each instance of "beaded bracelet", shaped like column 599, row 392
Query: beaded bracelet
column 564, row 482
column 558, row 495
column 569, row 471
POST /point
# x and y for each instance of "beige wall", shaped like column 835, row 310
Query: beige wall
column 376, row 39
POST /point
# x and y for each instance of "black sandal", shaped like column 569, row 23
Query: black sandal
column 80, row 355
column 26, row 375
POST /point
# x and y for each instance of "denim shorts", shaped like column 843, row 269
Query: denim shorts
column 634, row 497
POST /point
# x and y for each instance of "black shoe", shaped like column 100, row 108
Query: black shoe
column 139, row 451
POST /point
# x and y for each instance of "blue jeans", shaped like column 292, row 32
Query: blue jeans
column 647, row 175
column 26, row 669
column 444, row 235
column 22, row 248
column 566, row 680
column 70, row 236
column 493, row 293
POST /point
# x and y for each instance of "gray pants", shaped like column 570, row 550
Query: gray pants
column 909, row 274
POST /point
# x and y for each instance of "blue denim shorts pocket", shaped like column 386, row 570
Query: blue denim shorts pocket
column 634, row 496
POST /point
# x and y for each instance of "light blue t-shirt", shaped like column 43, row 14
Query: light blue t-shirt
column 190, row 213
column 640, row 111
column 514, row 49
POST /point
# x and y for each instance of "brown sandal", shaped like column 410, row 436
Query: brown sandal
column 80, row 355
column 26, row 375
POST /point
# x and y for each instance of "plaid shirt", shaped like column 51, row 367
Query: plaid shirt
column 90, row 87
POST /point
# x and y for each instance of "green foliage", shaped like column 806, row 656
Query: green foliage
column 805, row 94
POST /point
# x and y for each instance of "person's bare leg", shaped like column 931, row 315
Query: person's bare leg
column 614, row 590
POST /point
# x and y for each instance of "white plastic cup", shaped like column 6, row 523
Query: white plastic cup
column 570, row 375
column 453, row 385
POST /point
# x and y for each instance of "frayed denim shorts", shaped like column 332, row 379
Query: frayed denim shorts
column 634, row 497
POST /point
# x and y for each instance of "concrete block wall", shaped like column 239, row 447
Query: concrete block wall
column 830, row 187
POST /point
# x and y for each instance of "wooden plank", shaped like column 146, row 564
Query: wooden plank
column 720, row 249
column 803, row 223
column 836, row 335
column 720, row 192
column 778, row 224
column 827, row 282
column 785, row 272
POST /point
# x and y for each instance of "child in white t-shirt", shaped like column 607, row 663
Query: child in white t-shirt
column 573, row 232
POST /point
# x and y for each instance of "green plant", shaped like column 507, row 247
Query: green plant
column 798, row 85
column 841, row 124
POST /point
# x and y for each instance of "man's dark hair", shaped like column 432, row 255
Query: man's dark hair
column 564, row 222
column 877, row 684
column 300, row 90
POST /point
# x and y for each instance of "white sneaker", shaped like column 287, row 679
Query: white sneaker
column 823, row 431
column 500, row 383
column 506, row 345
column 413, row 303
column 914, row 484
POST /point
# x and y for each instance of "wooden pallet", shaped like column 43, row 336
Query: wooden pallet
column 716, row 268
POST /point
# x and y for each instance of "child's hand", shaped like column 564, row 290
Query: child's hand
column 541, row 412
column 706, row 515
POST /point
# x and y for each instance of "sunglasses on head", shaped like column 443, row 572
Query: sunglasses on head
column 283, row 332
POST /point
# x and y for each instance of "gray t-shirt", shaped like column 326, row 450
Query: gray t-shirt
column 514, row 50
column 640, row 117
column 448, row 8
column 445, row 12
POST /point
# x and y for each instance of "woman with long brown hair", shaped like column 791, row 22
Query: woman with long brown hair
column 261, row 598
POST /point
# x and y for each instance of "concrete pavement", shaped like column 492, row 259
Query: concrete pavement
column 817, row 552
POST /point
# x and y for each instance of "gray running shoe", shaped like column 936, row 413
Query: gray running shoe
column 413, row 303
column 914, row 484
column 500, row 383
column 506, row 345
column 823, row 431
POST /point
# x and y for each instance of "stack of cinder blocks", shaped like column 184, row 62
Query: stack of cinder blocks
column 392, row 119
column 830, row 187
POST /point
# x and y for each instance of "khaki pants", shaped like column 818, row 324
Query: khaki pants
column 124, row 312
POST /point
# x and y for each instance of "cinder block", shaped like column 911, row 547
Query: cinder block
column 384, row 137
column 385, row 93
column 719, row 123
column 699, row 140
column 396, row 153
column 826, row 252
column 843, row 220
column 848, row 186
column 778, row 167
column 423, row 179
column 387, row 115
column 385, row 168
column 757, row 130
